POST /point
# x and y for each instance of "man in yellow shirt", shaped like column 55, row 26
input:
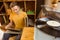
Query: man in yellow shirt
column 17, row 19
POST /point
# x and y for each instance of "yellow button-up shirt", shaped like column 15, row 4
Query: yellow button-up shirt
column 18, row 19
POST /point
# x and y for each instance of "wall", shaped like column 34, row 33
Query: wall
column 39, row 3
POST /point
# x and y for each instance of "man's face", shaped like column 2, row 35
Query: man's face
column 15, row 9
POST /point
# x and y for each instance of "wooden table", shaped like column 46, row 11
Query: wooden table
column 28, row 33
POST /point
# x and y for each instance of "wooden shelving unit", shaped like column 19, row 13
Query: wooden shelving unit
column 24, row 4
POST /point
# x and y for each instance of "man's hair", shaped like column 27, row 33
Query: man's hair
column 13, row 4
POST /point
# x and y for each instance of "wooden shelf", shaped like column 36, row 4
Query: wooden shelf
column 1, row 0
column 30, row 14
column 27, row 14
column 3, row 14
column 17, row 0
column 30, row 0
column 12, row 1
column 24, row 4
column 1, row 7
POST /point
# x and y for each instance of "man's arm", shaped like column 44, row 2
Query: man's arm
column 9, row 25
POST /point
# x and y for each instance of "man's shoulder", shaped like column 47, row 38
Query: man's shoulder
column 24, row 13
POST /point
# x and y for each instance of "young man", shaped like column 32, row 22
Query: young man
column 17, row 19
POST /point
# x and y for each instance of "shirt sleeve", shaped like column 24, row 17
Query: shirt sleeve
column 25, row 19
column 25, row 15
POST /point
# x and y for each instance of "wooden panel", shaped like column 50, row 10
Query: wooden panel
column 1, row 19
column 28, row 33
column 1, row 5
column 30, row 5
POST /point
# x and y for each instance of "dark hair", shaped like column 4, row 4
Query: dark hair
column 54, row 2
column 13, row 4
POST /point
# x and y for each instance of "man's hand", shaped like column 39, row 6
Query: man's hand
column 8, row 26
